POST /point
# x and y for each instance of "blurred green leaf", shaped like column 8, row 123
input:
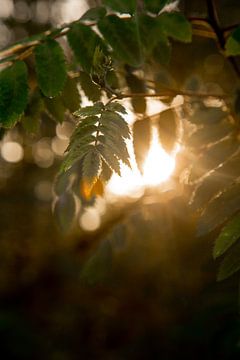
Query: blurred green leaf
column 176, row 26
column 228, row 236
column 13, row 93
column 233, row 43
column 122, row 6
column 230, row 264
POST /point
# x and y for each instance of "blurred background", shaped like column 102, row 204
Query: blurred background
column 99, row 293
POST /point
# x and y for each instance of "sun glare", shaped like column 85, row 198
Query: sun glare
column 157, row 168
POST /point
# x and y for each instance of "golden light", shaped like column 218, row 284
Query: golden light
column 159, row 165
column 158, row 168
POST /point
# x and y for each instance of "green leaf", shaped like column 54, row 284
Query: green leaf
column 219, row 210
column 155, row 6
column 50, row 67
column 228, row 236
column 233, row 43
column 113, row 119
column 94, row 14
column 75, row 153
column 62, row 183
column 32, row 115
column 92, row 165
column 83, row 41
column 213, row 157
column 122, row 6
column 91, row 90
column 55, row 109
column 90, row 110
column 114, row 106
column 116, row 143
column 151, row 32
column 216, row 182
column 141, row 140
column 167, row 129
column 13, row 93
column 230, row 264
column 106, row 172
column 137, row 85
column 70, row 95
column 109, row 157
column 64, row 211
column 126, row 48
column 176, row 26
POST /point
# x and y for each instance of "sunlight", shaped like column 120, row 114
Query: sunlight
column 158, row 168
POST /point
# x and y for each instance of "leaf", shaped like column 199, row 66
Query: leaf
column 75, row 153
column 109, row 158
column 112, row 80
column 230, row 264
column 176, row 26
column 122, row 6
column 137, row 85
column 55, row 108
column 32, row 116
column 90, row 110
column 117, row 144
column 64, row 211
column 83, row 41
column 94, row 14
column 114, row 106
column 141, row 140
column 151, row 32
column 61, row 183
column 228, row 236
column 106, row 172
column 126, row 48
column 216, row 182
column 167, row 129
column 92, row 165
column 155, row 6
column 233, row 43
column 91, row 90
column 13, row 93
column 70, row 95
column 213, row 157
column 50, row 67
column 208, row 135
column 113, row 119
column 219, row 210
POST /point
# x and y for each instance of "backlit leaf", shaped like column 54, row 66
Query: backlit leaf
column 228, row 236
column 175, row 25
column 167, row 129
column 230, row 264
column 233, row 43
column 141, row 140
column 219, row 210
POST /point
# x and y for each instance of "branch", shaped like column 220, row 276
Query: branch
column 215, row 23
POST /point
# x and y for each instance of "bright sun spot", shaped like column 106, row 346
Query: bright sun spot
column 158, row 168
